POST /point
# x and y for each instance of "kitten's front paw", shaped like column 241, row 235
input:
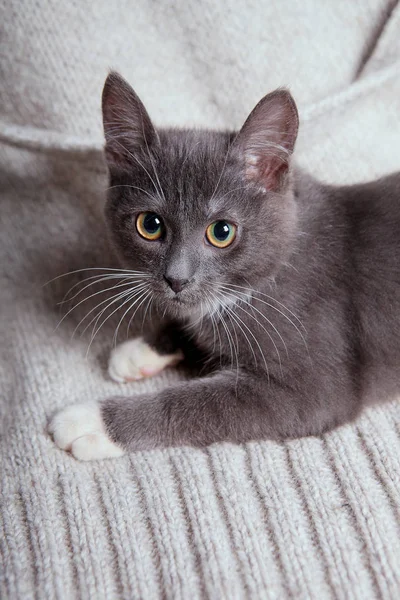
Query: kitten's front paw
column 80, row 429
column 134, row 359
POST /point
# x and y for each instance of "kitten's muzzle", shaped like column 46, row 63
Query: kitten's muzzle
column 176, row 284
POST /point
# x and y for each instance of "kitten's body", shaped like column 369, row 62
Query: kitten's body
column 309, row 331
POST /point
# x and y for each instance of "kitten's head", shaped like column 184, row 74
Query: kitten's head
column 199, row 211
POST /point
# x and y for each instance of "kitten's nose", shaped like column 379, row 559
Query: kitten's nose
column 175, row 284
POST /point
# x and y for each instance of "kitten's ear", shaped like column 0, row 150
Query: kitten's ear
column 127, row 126
column 267, row 139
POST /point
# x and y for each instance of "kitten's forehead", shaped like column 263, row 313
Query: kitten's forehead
column 195, row 145
column 194, row 154
column 193, row 167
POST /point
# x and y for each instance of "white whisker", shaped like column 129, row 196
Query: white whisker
column 229, row 291
column 111, row 301
column 244, row 333
column 201, row 318
column 135, row 187
column 133, row 315
column 96, row 331
column 122, row 271
column 145, row 293
column 145, row 312
column 137, row 160
column 253, row 291
column 210, row 314
column 236, row 350
column 223, row 166
column 225, row 291
column 236, row 317
column 85, row 300
column 242, row 187
column 161, row 191
column 214, row 311
column 278, row 311
column 125, row 281
column 228, row 335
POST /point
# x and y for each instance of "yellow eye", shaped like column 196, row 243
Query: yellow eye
column 221, row 234
column 149, row 226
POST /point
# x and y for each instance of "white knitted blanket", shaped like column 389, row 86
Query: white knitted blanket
column 314, row 518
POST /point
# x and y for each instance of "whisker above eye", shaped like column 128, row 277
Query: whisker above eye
column 231, row 145
column 135, row 187
column 135, row 158
column 242, row 187
column 153, row 165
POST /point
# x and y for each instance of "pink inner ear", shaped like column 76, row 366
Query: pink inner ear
column 266, row 170
column 267, row 139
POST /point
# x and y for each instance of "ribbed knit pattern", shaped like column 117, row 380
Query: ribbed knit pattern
column 313, row 518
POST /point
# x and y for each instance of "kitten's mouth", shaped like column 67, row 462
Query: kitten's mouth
column 183, row 298
column 181, row 304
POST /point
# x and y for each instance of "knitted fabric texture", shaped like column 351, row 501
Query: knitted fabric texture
column 311, row 518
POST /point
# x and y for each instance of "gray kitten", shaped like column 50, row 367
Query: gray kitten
column 285, row 292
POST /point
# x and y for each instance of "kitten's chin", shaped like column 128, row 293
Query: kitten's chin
column 178, row 308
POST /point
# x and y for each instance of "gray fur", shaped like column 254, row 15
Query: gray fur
column 312, row 334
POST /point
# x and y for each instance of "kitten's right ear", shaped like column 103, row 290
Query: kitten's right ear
column 127, row 126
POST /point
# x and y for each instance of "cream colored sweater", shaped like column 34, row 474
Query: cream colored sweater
column 314, row 518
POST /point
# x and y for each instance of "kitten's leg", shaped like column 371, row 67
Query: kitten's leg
column 145, row 356
column 219, row 407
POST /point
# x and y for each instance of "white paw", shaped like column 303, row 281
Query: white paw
column 134, row 359
column 79, row 428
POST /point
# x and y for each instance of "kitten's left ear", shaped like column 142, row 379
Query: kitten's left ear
column 266, row 140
